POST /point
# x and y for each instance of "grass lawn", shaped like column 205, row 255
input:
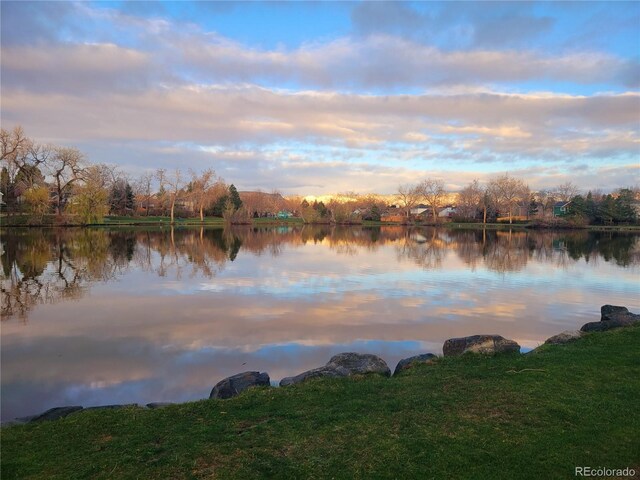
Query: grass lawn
column 508, row 417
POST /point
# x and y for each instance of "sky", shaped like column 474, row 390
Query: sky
column 317, row 98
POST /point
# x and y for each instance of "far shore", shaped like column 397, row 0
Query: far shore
column 153, row 221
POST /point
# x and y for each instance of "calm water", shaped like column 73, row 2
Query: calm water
column 93, row 317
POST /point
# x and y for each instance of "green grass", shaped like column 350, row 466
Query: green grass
column 517, row 417
column 278, row 221
column 157, row 220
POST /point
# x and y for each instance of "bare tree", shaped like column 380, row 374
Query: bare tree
column 12, row 141
column 408, row 196
column 508, row 192
column 65, row 166
column 173, row 185
column 143, row 188
column 470, row 200
column 546, row 199
column 201, row 189
column 433, row 193
column 566, row 191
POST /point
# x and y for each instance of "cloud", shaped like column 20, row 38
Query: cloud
column 74, row 68
column 183, row 52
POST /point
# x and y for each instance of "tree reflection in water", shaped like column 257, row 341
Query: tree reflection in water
column 49, row 265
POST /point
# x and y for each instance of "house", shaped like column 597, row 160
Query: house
column 284, row 214
column 560, row 209
column 420, row 210
column 447, row 212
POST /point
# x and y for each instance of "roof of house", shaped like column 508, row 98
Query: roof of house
column 561, row 204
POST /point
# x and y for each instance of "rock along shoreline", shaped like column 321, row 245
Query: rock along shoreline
column 350, row 363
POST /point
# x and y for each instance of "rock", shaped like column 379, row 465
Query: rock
column 612, row 316
column 607, row 310
column 112, row 407
column 406, row 363
column 232, row 386
column 326, row 371
column 564, row 337
column 608, row 324
column 153, row 405
column 486, row 344
column 56, row 413
column 360, row 363
column 343, row 365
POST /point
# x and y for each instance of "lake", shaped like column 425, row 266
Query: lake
column 136, row 315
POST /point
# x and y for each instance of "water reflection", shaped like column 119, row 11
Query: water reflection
column 45, row 266
column 136, row 315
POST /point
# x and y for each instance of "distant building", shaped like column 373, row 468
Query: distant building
column 447, row 212
column 284, row 214
column 560, row 209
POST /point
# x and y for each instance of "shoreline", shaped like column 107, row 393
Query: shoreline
column 612, row 317
column 6, row 222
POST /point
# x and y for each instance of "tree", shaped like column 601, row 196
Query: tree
column 234, row 196
column 91, row 199
column 433, row 193
column 533, row 207
column 65, row 166
column 545, row 199
column 606, row 212
column 623, row 205
column 201, row 189
column 578, row 208
column 470, row 200
column 173, row 185
column 121, row 198
column 508, row 193
column 143, row 189
column 408, row 197
column 38, row 200
column 592, row 207
column 565, row 192
column 12, row 142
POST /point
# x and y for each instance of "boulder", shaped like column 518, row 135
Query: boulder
column 564, row 337
column 407, row 363
column 232, row 386
column 55, row 413
column 326, row 371
column 612, row 316
column 607, row 310
column 343, row 365
column 112, row 407
column 485, row 344
column 360, row 363
column 608, row 324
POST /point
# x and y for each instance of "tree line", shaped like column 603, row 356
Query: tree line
column 506, row 198
column 40, row 179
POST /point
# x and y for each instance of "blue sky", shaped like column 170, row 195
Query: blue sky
column 324, row 97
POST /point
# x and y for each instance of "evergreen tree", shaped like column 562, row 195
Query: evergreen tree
column 607, row 210
column 218, row 208
column 578, row 207
column 623, row 207
column 592, row 208
column 235, row 197
column 130, row 201
column 374, row 213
